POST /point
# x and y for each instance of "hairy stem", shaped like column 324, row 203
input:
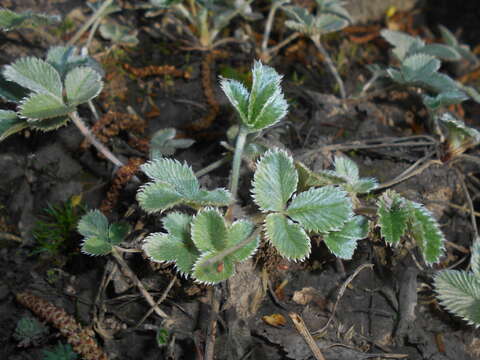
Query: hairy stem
column 93, row 140
column 330, row 65
column 237, row 160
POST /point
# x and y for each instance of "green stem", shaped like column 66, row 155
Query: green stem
column 330, row 65
column 237, row 160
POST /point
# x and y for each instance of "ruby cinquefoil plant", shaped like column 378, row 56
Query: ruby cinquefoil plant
column 295, row 203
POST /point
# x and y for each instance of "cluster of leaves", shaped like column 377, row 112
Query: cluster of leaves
column 100, row 237
column 60, row 352
column 47, row 91
column 10, row 20
column 330, row 17
column 419, row 65
column 207, row 18
column 264, row 105
column 460, row 137
column 29, row 331
column 59, row 222
column 164, row 143
column 459, row 291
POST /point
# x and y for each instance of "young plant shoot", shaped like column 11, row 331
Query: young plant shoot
column 262, row 107
column 330, row 17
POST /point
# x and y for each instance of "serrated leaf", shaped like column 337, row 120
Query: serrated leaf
column 342, row 243
column 214, row 273
column 439, row 82
column 209, row 231
column 402, row 42
column 82, row 84
column 63, row 59
column 266, row 105
column 363, row 186
column 346, row 168
column 445, row 98
column 238, row 232
column 48, row 124
column 275, row 181
column 327, row 23
column 419, row 67
column 321, row 210
column 308, row 178
column 36, row 75
column 392, row 217
column 159, row 196
column 43, row 106
column 179, row 176
column 426, row 232
column 289, row 238
column 218, row 197
column 176, row 246
column 163, row 143
column 238, row 96
column 93, row 223
column 118, row 34
column 459, row 292
column 443, row 52
column 459, row 135
column 10, row 20
column 99, row 235
column 10, row 124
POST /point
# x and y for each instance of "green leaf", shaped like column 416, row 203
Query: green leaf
column 238, row 96
column 445, row 98
column 441, row 51
column 346, row 168
column 93, row 223
column 275, row 181
column 363, row 186
column 214, row 273
column 10, row 20
column 209, row 232
column 321, row 210
column 117, row 232
column 48, row 124
column 82, row 84
column 99, row 236
column 438, row 83
column 163, row 143
column 419, row 67
column 447, row 36
column 218, row 197
column 64, row 58
column 10, row 124
column 392, row 216
column 36, row 75
column 459, row 292
column 164, row 3
column 179, row 176
column 426, row 232
column 43, row 106
column 289, row 238
column 238, row 232
column 158, row 196
column 11, row 91
column 267, row 104
column 118, row 34
column 402, row 42
column 342, row 243
column 176, row 246
column 459, row 135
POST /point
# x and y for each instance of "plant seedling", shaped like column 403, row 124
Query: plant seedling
column 206, row 18
column 164, row 143
column 48, row 92
column 459, row 136
column 10, row 20
column 330, row 17
column 29, row 331
column 459, row 291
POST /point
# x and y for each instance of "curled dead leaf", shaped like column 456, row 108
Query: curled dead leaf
column 276, row 320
